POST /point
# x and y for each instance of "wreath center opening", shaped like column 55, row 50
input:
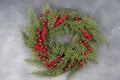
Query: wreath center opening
column 63, row 39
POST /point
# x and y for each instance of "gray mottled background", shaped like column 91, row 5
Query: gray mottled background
column 13, row 52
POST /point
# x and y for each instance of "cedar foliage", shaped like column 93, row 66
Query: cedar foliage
column 72, row 51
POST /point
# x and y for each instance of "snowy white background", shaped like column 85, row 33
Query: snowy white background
column 13, row 52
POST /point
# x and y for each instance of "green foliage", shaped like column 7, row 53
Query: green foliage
column 73, row 51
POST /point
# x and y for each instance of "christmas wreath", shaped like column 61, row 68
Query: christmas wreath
column 45, row 34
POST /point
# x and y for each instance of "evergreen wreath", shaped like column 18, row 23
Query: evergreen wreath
column 50, row 55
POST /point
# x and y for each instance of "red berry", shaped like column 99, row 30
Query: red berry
column 36, row 38
column 65, row 16
column 47, row 11
column 75, row 18
column 40, row 56
column 41, row 15
column 42, row 47
column 69, row 65
column 89, row 48
column 60, row 21
column 46, row 65
column 85, row 35
column 56, row 23
column 39, row 35
column 37, row 54
column 46, row 47
column 56, row 61
column 66, row 69
column 80, row 41
column 40, row 44
column 85, row 42
column 38, row 28
column 86, row 52
column 79, row 19
column 59, row 56
column 81, row 63
column 52, row 62
column 51, row 67
column 56, row 16
column 85, row 45
column 47, row 59
column 45, row 20
column 44, row 58
column 40, row 40
column 43, row 23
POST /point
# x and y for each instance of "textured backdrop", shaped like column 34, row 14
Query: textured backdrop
column 13, row 13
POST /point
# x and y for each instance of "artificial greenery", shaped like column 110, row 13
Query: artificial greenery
column 71, row 52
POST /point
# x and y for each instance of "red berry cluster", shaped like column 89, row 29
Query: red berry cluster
column 40, row 39
column 59, row 21
column 77, row 18
column 41, row 14
column 86, row 34
column 52, row 64
column 70, row 65
column 41, row 33
column 42, row 57
column 47, row 11
column 89, row 48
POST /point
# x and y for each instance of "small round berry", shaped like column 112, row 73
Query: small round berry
column 45, row 20
column 47, row 11
column 41, row 15
column 89, row 48
column 86, row 52
column 40, row 56
column 37, row 54
column 66, row 69
column 81, row 62
column 80, row 41
column 43, row 23
column 46, row 66
column 79, row 19
column 69, row 65
column 56, row 61
column 58, row 56
column 35, row 38
column 44, row 58
column 85, row 42
column 85, row 45
column 39, row 35
column 56, row 16
column 40, row 40
column 38, row 28
column 51, row 67
column 75, row 18
column 40, row 44
column 46, row 46
column 47, row 59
